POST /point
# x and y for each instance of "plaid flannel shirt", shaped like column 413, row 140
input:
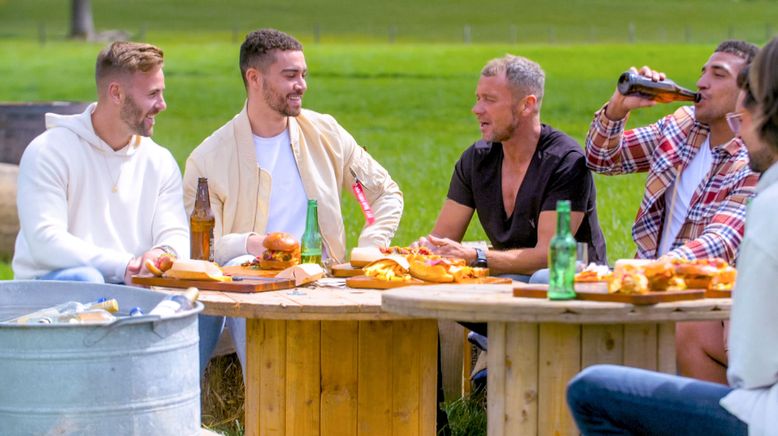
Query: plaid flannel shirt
column 715, row 221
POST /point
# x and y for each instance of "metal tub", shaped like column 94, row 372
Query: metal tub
column 137, row 376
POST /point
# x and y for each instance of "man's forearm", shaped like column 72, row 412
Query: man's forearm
column 517, row 261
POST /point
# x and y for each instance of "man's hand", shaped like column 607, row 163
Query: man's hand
column 152, row 256
column 620, row 105
column 448, row 247
column 422, row 242
column 254, row 245
column 133, row 268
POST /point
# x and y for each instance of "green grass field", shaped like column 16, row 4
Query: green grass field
column 409, row 104
column 504, row 21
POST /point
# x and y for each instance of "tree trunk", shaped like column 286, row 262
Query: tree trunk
column 82, row 26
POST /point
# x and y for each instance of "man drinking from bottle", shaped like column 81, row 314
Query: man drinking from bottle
column 698, row 183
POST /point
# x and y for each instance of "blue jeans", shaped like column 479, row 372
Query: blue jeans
column 617, row 400
column 75, row 274
column 210, row 329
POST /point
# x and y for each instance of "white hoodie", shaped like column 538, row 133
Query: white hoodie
column 69, row 214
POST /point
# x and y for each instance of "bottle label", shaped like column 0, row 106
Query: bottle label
column 165, row 308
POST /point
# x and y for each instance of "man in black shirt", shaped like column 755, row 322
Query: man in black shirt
column 513, row 178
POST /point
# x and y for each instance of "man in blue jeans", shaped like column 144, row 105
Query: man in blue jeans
column 97, row 197
column 608, row 399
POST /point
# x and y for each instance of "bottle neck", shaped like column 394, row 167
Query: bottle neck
column 202, row 200
column 312, row 218
column 563, row 222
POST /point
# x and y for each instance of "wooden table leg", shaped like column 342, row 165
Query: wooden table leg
column 341, row 377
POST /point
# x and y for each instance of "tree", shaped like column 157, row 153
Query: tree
column 82, row 26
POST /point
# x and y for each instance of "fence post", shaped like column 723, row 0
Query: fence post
column 316, row 33
column 467, row 33
column 551, row 35
column 392, row 33
column 687, row 33
column 235, row 33
column 514, row 34
column 631, row 32
column 42, row 33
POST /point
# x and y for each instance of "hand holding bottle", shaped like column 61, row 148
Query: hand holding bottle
column 620, row 104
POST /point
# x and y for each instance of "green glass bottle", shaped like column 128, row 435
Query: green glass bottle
column 561, row 256
column 311, row 242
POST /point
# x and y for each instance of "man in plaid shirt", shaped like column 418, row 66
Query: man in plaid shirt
column 698, row 184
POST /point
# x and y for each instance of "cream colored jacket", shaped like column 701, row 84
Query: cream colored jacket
column 325, row 154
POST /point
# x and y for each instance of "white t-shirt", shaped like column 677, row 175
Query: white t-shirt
column 288, row 201
column 690, row 179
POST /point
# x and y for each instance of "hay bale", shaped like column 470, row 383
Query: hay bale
column 222, row 394
column 9, row 219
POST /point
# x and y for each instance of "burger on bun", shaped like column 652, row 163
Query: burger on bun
column 281, row 251
column 696, row 275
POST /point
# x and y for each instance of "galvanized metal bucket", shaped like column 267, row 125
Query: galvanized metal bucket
column 136, row 376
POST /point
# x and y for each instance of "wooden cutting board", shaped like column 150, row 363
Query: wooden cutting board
column 345, row 270
column 725, row 293
column 540, row 291
column 366, row 282
column 258, row 284
column 241, row 271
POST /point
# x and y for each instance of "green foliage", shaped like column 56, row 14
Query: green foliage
column 467, row 415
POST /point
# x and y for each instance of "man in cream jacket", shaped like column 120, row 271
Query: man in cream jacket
column 96, row 196
column 264, row 164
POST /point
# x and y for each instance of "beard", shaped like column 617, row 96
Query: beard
column 760, row 160
column 133, row 116
column 278, row 102
column 505, row 133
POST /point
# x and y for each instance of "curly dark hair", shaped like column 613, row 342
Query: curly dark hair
column 742, row 49
column 257, row 49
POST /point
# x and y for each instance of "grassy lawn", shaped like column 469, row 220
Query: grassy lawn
column 409, row 104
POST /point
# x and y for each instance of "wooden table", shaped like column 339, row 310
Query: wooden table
column 330, row 361
column 536, row 346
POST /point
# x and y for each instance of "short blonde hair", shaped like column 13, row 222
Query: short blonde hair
column 123, row 57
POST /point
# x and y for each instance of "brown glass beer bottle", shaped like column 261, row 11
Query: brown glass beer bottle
column 665, row 91
column 201, row 224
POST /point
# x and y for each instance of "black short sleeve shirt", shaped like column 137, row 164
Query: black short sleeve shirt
column 557, row 171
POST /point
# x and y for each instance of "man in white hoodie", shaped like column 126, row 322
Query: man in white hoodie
column 96, row 196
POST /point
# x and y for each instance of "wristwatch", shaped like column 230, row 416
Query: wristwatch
column 168, row 249
column 480, row 258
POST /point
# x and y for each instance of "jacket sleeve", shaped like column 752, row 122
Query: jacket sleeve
column 753, row 360
column 611, row 150
column 383, row 194
column 42, row 206
column 226, row 246
column 170, row 225
column 722, row 236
